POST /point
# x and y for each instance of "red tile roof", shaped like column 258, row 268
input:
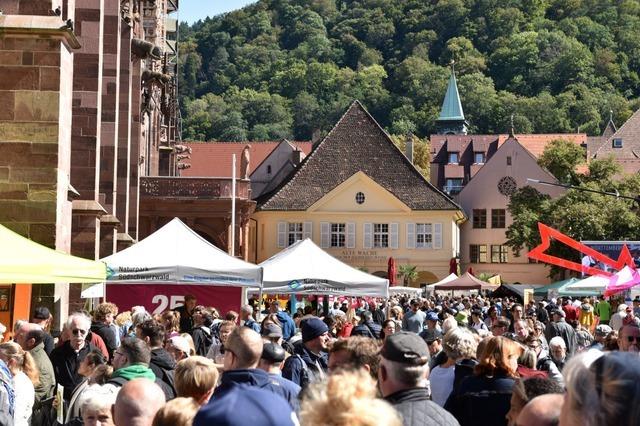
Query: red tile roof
column 213, row 159
column 536, row 144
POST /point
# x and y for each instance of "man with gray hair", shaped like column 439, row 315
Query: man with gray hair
column 403, row 371
column 137, row 403
column 67, row 358
column 246, row 316
column 558, row 352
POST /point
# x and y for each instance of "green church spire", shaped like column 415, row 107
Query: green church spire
column 451, row 118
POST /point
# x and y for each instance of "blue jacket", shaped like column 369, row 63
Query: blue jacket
column 304, row 367
column 261, row 379
column 288, row 326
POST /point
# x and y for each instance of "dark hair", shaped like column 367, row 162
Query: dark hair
column 536, row 386
column 153, row 330
column 136, row 350
column 41, row 313
column 37, row 334
column 96, row 358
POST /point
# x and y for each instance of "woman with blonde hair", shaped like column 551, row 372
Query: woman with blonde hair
column 25, row 377
column 485, row 397
column 347, row 398
column 177, row 412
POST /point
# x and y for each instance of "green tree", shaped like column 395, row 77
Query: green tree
column 561, row 157
column 408, row 273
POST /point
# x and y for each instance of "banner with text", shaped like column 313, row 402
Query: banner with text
column 157, row 298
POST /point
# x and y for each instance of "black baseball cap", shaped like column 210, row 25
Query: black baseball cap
column 272, row 352
column 406, row 348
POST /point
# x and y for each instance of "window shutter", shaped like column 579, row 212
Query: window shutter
column 411, row 235
column 437, row 235
column 393, row 235
column 368, row 236
column 324, row 235
column 307, row 228
column 282, row 234
column 351, row 235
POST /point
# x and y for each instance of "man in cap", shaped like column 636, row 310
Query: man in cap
column 600, row 335
column 560, row 327
column 433, row 330
column 309, row 362
column 414, row 319
column 271, row 361
column 403, row 372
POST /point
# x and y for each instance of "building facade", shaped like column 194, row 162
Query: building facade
column 89, row 91
column 358, row 197
column 485, row 199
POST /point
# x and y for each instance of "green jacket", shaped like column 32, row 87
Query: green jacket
column 47, row 384
column 135, row 371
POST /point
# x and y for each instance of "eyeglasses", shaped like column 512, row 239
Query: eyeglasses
column 633, row 338
column 79, row 332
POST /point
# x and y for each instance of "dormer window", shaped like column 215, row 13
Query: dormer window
column 454, row 158
column 617, row 143
column 478, row 157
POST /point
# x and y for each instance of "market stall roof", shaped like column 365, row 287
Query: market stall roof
column 598, row 284
column 564, row 288
column 25, row 261
column 514, row 290
column 446, row 279
column 465, row 282
column 304, row 268
column 402, row 290
column 175, row 254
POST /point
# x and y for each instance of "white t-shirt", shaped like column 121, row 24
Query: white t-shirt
column 25, row 396
column 441, row 380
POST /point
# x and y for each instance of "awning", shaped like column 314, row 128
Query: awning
column 465, row 282
column 304, row 268
column 25, row 261
column 175, row 254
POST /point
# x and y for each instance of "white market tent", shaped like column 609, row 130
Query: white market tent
column 304, row 268
column 599, row 283
column 464, row 282
column 445, row 280
column 175, row 254
column 404, row 290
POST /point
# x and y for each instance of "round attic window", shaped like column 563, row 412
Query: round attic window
column 507, row 186
column 360, row 198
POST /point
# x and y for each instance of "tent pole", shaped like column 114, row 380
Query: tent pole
column 233, row 206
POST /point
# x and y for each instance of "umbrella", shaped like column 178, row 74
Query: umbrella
column 392, row 271
column 453, row 266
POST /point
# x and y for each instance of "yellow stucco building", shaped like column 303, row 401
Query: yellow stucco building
column 358, row 197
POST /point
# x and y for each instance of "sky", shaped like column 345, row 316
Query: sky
column 193, row 10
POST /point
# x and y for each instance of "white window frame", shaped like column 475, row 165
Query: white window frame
column 424, row 232
column 381, row 235
column 338, row 235
column 295, row 232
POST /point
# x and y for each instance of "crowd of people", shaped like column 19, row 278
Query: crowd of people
column 468, row 360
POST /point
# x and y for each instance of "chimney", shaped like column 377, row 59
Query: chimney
column 408, row 150
column 296, row 157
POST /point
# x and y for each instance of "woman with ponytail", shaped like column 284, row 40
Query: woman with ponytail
column 25, row 376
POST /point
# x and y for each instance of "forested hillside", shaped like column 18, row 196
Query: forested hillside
column 289, row 68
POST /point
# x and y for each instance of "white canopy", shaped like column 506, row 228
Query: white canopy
column 175, row 254
column 592, row 283
column 402, row 290
column 446, row 279
column 304, row 268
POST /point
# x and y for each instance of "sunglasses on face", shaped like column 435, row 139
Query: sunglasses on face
column 79, row 332
column 633, row 339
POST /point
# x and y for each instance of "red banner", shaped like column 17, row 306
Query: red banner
column 157, row 298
